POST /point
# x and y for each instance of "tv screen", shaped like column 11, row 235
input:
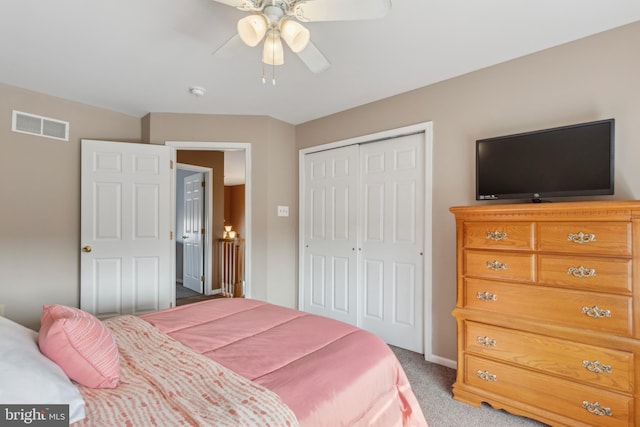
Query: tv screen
column 575, row 160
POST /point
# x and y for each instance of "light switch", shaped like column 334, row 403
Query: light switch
column 283, row 210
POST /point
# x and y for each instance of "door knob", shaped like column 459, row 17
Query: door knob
column 87, row 249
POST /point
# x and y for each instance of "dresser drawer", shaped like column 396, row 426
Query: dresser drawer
column 500, row 265
column 577, row 401
column 590, row 310
column 598, row 274
column 497, row 235
column 601, row 367
column 585, row 237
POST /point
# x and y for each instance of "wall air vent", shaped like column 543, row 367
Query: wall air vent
column 40, row 126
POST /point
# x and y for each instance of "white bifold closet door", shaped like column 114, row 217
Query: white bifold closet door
column 363, row 237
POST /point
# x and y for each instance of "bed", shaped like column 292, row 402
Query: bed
column 235, row 362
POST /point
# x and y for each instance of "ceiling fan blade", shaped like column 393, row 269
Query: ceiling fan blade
column 229, row 48
column 341, row 10
column 313, row 58
column 238, row 4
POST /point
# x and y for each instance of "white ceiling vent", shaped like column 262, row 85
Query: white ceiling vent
column 40, row 126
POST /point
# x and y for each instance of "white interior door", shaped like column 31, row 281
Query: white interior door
column 330, row 234
column 193, row 231
column 392, row 235
column 363, row 237
column 125, row 228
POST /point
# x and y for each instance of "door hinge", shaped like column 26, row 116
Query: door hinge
column 202, row 231
column 202, row 279
column 202, row 184
column 170, row 164
column 171, row 235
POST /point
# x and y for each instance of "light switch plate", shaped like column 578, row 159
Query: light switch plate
column 283, row 210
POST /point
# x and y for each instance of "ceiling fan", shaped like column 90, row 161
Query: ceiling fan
column 277, row 20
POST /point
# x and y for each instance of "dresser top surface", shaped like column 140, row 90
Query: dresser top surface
column 592, row 210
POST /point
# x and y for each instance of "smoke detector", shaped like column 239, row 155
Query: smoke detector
column 197, row 91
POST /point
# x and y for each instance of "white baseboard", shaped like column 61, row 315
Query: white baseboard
column 441, row 361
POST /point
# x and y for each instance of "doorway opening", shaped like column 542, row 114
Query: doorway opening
column 193, row 231
column 237, row 169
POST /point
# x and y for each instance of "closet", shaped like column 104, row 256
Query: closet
column 362, row 236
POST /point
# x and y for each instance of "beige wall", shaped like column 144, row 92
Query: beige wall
column 273, row 181
column 234, row 208
column 40, row 201
column 593, row 78
column 282, row 232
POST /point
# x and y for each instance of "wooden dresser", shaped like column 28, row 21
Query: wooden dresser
column 547, row 309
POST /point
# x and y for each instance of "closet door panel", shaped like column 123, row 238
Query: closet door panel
column 330, row 234
column 391, row 214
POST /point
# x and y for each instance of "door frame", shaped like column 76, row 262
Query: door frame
column 216, row 146
column 427, row 274
column 207, row 220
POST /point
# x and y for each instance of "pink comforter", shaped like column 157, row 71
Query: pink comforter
column 173, row 386
column 329, row 373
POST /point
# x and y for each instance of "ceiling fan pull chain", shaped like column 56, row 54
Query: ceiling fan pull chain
column 273, row 64
column 273, row 75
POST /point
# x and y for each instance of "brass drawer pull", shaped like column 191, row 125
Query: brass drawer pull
column 596, row 312
column 487, row 296
column 486, row 341
column 496, row 265
column 496, row 235
column 597, row 367
column 580, row 237
column 597, row 409
column 486, row 376
column 581, row 272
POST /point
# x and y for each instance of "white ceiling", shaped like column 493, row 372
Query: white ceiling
column 141, row 56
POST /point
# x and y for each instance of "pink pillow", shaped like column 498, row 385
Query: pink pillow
column 81, row 345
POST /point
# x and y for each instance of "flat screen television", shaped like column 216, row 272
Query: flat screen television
column 575, row 160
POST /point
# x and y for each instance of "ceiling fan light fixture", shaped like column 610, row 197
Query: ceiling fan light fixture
column 252, row 29
column 272, row 52
column 295, row 34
